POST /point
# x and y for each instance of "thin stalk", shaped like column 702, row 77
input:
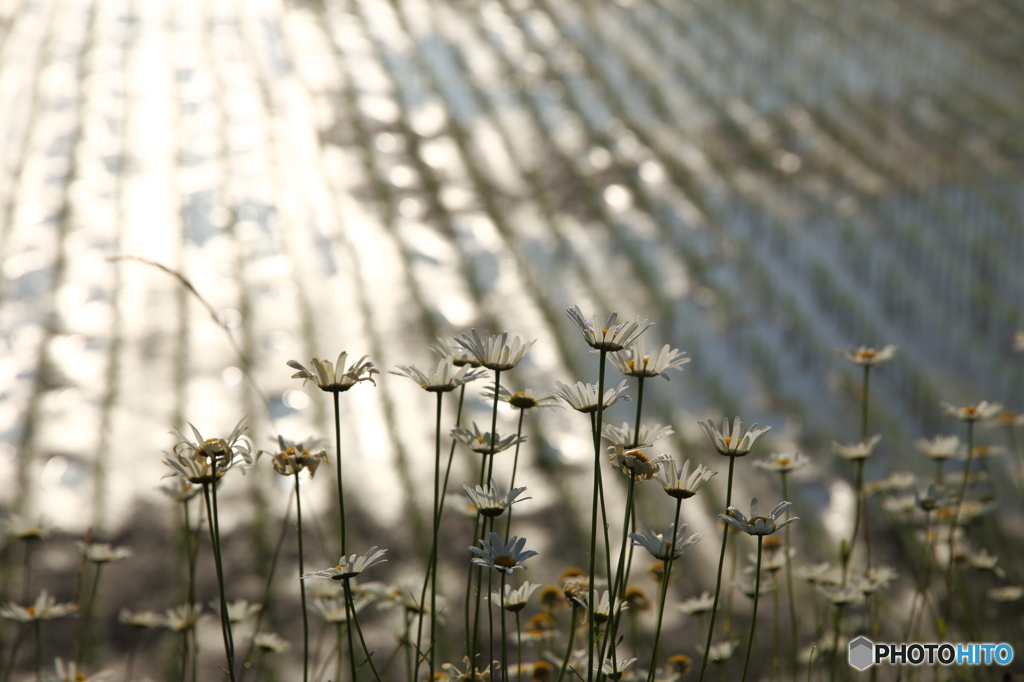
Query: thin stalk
column 359, row 630
column 431, row 575
column 302, row 585
column 639, row 410
column 130, row 666
column 451, row 450
column 87, row 615
column 718, row 580
column 338, row 642
column 618, row 586
column 519, row 650
column 591, row 626
column 859, row 492
column 793, row 622
column 864, row 405
column 337, row 459
column 664, row 592
column 14, row 653
column 955, row 521
column 26, row 575
column 36, row 625
column 568, row 647
column 350, row 613
column 515, row 466
column 494, row 444
column 225, row 622
column 504, row 637
column 753, row 617
column 776, row 635
column 836, row 619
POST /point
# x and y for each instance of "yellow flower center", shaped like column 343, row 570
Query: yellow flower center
column 782, row 462
column 970, row 409
column 866, row 354
column 504, row 561
column 629, row 363
column 31, row 610
column 728, row 441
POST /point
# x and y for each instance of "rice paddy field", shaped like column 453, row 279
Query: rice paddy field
column 194, row 193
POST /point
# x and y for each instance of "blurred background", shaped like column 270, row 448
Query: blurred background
column 767, row 180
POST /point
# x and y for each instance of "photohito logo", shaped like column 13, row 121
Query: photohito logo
column 864, row 653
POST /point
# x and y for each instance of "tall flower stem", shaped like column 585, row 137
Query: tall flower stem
column 359, row 631
column 36, row 625
column 955, row 521
column 793, row 622
column 431, row 574
column 225, row 622
column 519, row 649
column 591, row 626
column 753, row 617
column 12, row 659
column 337, row 459
column 718, row 580
column 618, row 585
column 664, row 592
column 504, row 637
column 515, row 466
column 837, row 618
column 451, row 450
column 350, row 614
column 568, row 647
column 87, row 616
column 859, row 492
column 302, row 585
column 639, row 410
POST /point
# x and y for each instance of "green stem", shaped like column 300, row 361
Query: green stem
column 955, row 522
column 793, row 622
column 504, row 637
column 639, row 409
column 664, row 593
column 515, row 466
column 338, row 644
column 836, row 619
column 302, row 585
column 753, row 617
column 718, row 580
column 619, row 584
column 864, row 406
column 337, row 457
column 87, row 617
column 483, row 481
column 14, row 653
column 859, row 492
column 350, row 613
column 359, row 630
column 568, row 647
column 519, row 650
column 591, row 626
column 36, row 627
column 430, row 577
column 26, row 577
column 225, row 622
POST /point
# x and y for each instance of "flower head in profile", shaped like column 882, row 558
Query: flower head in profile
column 494, row 351
column 22, row 528
column 445, row 377
column 240, row 610
column 757, row 524
column 939, row 447
column 483, row 442
column 180, row 489
column 636, row 361
column 696, row 606
column 103, row 553
column 492, row 501
column 876, row 578
column 934, row 498
column 972, row 413
column 195, row 461
column 182, row 617
column 662, row 548
column 1007, row 593
column 614, row 670
column 610, row 336
column 857, row 451
column 583, row 397
column 635, row 463
column 842, row 595
column 44, row 608
column 522, row 400
column 334, row 378
column 140, row 619
column 449, row 348
column 866, row 356
column 349, row 567
column 293, row 457
column 636, row 600
column 680, row 483
column 270, row 643
column 783, row 462
column 625, row 436
column 515, row 600
column 734, row 442
column 69, row 672
column 722, row 651
column 502, row 557
column 983, row 561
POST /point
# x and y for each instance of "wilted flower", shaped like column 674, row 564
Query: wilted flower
column 583, row 397
column 682, row 484
column 270, row 642
column 456, row 675
column 610, row 337
column 335, row 378
column 635, row 463
column 493, row 501
column 483, row 442
column 180, row 489
column 349, row 567
column 738, row 442
column 614, row 670
column 635, row 361
column 503, row 558
column 866, row 356
column 758, row 525
column 857, row 451
column 522, row 400
column 783, row 462
column 939, row 447
column 494, row 351
column 294, row 457
column 443, row 378
column 625, row 436
column 972, row 413
column 44, row 608
column 659, row 547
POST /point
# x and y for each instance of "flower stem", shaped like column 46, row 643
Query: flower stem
column 515, row 466
column 225, row 622
column 359, row 631
column 519, row 650
column 302, row 585
column 858, row 510
column 793, row 622
column 87, row 616
column 431, row 577
column 568, row 647
column 639, row 409
column 954, row 522
column 337, row 456
column 591, row 626
column 664, row 593
column 504, row 637
column 718, row 580
column 753, row 617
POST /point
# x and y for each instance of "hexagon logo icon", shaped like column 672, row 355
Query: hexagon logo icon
column 862, row 653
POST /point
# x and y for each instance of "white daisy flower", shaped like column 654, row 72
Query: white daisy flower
column 334, row 378
column 934, row 498
column 614, row 670
column 783, row 462
column 624, row 436
column 610, row 336
column 294, row 457
column 482, row 442
column 1007, row 593
column 515, row 599
column 239, row 610
column 350, row 567
column 635, row 463
column 446, row 376
column 270, row 642
column 69, row 672
column 194, row 461
column 44, row 608
column 738, row 442
column 695, row 606
column 972, row 413
column 522, row 400
column 182, row 617
column 583, row 397
column 857, row 451
column 722, row 651
column 681, row 484
column 659, row 547
column 449, row 348
column 503, row 558
column 493, row 501
column 756, row 524
column 494, row 351
column 103, row 553
column 866, row 356
column 24, row 529
column 635, row 361
column 939, row 447
column 140, row 619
